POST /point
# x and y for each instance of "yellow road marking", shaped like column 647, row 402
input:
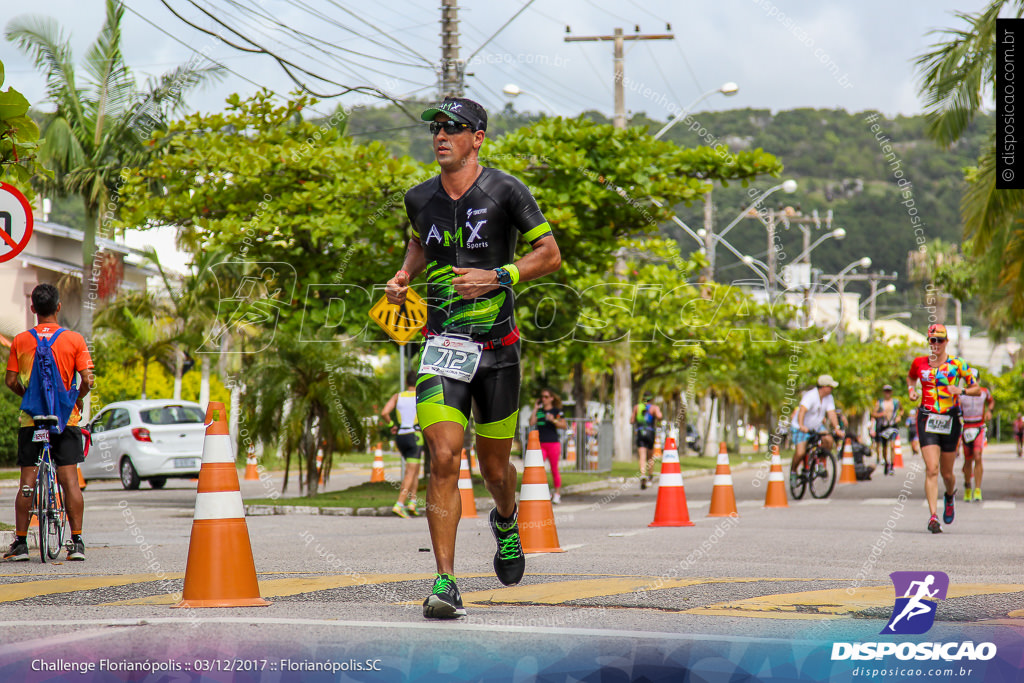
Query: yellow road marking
column 31, row 589
column 563, row 591
column 833, row 603
column 273, row 588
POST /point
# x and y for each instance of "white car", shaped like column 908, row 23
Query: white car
column 151, row 440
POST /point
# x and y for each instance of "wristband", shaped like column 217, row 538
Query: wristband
column 407, row 276
column 514, row 272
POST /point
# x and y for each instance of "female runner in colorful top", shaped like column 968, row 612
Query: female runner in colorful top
column 938, row 418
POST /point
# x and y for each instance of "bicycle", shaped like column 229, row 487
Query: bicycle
column 48, row 502
column 817, row 471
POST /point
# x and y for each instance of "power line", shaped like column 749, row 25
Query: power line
column 396, row 40
column 501, row 28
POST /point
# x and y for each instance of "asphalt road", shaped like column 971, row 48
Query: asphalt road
column 766, row 594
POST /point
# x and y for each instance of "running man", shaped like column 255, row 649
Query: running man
column 887, row 415
column 938, row 418
column 409, row 442
column 72, row 355
column 915, row 605
column 977, row 411
column 465, row 223
column 645, row 419
column 815, row 405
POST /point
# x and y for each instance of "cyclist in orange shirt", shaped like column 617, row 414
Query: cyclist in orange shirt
column 71, row 355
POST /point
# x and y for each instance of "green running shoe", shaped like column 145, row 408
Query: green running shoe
column 444, row 601
column 509, row 560
column 968, row 495
column 399, row 510
column 977, row 495
column 412, row 509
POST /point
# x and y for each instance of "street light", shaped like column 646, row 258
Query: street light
column 838, row 233
column 862, row 263
column 513, row 90
column 883, row 290
column 788, row 186
column 728, row 89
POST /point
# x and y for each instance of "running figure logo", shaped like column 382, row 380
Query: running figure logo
column 914, row 611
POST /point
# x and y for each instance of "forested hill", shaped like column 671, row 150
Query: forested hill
column 836, row 159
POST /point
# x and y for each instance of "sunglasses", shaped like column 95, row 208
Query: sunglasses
column 449, row 127
column 546, row 396
column 936, row 340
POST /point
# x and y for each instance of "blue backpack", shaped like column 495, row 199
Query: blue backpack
column 45, row 394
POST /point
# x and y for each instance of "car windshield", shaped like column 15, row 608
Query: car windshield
column 170, row 415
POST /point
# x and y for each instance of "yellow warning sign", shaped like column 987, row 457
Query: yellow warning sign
column 404, row 322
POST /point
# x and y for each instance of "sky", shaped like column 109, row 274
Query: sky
column 782, row 54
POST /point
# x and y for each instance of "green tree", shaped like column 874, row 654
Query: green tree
column 102, row 121
column 957, row 74
column 19, row 137
column 142, row 326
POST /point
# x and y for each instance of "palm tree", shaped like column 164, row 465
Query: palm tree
column 143, row 327
column 956, row 75
column 307, row 394
column 102, row 123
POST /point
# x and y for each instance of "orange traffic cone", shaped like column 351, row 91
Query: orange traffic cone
column 775, row 497
column 466, row 489
column 592, row 457
column 723, row 498
column 378, row 465
column 848, row 474
column 536, row 516
column 570, row 451
column 81, row 479
column 670, row 509
column 251, row 472
column 220, row 570
column 472, row 460
column 897, row 454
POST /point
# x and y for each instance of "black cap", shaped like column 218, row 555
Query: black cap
column 459, row 109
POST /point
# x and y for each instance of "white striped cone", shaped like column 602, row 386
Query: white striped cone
column 466, row 489
column 723, row 498
column 377, row 474
column 537, row 530
column 670, row 510
column 848, row 474
column 220, row 571
column 897, row 454
column 775, row 496
column 251, row 465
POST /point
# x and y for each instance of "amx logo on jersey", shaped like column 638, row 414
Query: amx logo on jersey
column 473, row 237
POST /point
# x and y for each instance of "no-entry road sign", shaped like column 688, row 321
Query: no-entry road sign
column 15, row 222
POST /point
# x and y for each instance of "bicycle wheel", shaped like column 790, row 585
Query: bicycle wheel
column 798, row 485
column 56, row 519
column 42, row 512
column 824, row 476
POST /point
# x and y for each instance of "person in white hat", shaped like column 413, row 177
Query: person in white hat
column 815, row 405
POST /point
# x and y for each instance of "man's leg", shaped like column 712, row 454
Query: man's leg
column 798, row 455
column 977, row 473
column 444, row 504
column 968, row 470
column 74, row 503
column 500, row 475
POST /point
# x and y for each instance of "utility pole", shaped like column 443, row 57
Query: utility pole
column 872, row 279
column 618, row 39
column 452, row 70
column 622, row 371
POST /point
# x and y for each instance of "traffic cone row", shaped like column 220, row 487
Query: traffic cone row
column 897, row 454
column 537, row 530
column 848, row 474
column 670, row 509
column 466, row 489
column 377, row 474
column 592, row 459
column 570, row 451
column 220, row 571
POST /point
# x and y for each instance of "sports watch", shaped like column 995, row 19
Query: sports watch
column 504, row 277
